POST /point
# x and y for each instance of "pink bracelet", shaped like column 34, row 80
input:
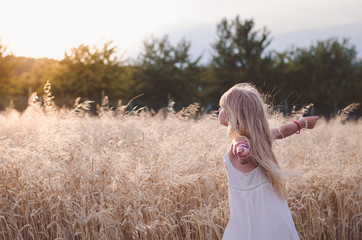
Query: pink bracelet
column 299, row 127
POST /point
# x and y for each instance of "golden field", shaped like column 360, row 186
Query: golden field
column 65, row 175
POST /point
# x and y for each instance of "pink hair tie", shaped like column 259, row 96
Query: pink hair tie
column 299, row 127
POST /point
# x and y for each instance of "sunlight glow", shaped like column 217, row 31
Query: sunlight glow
column 41, row 28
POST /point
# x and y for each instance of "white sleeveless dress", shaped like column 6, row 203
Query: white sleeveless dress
column 256, row 211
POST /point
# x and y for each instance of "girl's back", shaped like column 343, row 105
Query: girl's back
column 256, row 211
column 257, row 192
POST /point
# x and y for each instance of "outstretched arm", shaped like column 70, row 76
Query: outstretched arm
column 289, row 129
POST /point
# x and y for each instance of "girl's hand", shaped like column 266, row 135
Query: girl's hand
column 241, row 152
column 312, row 121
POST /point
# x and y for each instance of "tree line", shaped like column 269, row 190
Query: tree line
column 327, row 74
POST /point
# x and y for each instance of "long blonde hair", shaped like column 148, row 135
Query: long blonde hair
column 246, row 115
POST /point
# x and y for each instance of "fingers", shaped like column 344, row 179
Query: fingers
column 243, row 153
column 241, row 150
column 312, row 120
column 244, row 158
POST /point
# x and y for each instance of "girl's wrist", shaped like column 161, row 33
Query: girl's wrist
column 301, row 123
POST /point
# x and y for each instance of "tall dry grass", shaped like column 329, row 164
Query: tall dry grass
column 66, row 175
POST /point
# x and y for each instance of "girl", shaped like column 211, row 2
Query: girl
column 256, row 190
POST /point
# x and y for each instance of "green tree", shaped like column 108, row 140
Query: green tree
column 278, row 77
column 34, row 73
column 324, row 72
column 7, row 66
column 91, row 73
column 166, row 71
column 239, row 55
column 354, row 87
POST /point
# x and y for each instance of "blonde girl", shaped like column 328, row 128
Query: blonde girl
column 256, row 188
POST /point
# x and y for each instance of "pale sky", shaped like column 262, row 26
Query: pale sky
column 47, row 28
